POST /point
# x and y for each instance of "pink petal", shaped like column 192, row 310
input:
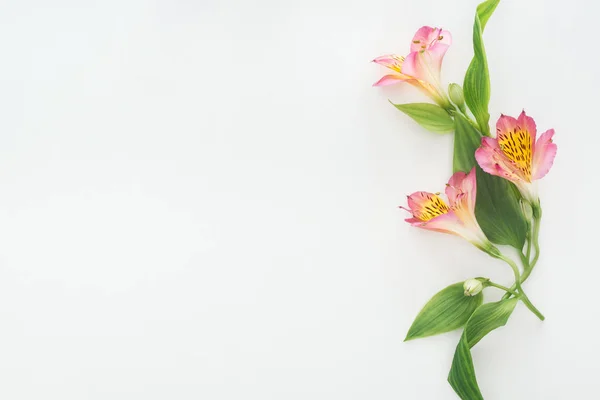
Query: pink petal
column 528, row 124
column 543, row 155
column 505, row 124
column 391, row 79
column 419, row 199
column 427, row 36
column 391, row 61
column 425, row 206
column 454, row 186
column 486, row 154
column 445, row 223
column 425, row 66
column 437, row 53
column 462, row 190
column 414, row 221
column 446, row 38
column 423, row 37
column 469, row 186
column 493, row 161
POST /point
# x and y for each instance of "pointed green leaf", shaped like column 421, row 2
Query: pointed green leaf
column 498, row 211
column 477, row 79
column 476, row 85
column 462, row 374
column 484, row 320
column 466, row 140
column 430, row 116
column 487, row 318
column 485, row 11
column 497, row 208
column 448, row 310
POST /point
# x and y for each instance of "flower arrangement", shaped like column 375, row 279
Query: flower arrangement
column 490, row 199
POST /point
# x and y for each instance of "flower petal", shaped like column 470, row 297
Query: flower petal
column 462, row 191
column 423, row 66
column 469, row 185
column 391, row 79
column 505, row 124
column 454, row 187
column 516, row 138
column 436, row 54
column 446, row 37
column 418, row 200
column 445, row 223
column 423, row 37
column 391, row 61
column 528, row 124
column 492, row 160
column 427, row 36
column 486, row 155
column 425, row 205
column 543, row 155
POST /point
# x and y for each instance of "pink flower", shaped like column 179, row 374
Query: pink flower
column 516, row 155
column 429, row 211
column 422, row 67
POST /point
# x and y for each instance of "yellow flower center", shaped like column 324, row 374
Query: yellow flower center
column 516, row 145
column 431, row 208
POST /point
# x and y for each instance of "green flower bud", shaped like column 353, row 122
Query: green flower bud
column 527, row 210
column 472, row 287
column 456, row 95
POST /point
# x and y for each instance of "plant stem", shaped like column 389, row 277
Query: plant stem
column 536, row 244
column 523, row 296
column 528, row 266
column 525, row 262
column 496, row 285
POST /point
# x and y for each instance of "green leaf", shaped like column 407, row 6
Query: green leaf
column 498, row 211
column 487, row 318
column 497, row 208
column 462, row 373
column 484, row 320
column 466, row 140
column 430, row 116
column 477, row 79
column 485, row 11
column 448, row 310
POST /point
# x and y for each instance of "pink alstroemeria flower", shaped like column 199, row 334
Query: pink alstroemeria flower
column 516, row 155
column 429, row 211
column 422, row 67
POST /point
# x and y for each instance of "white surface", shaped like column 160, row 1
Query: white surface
column 199, row 201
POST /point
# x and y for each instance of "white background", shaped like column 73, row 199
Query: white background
column 198, row 201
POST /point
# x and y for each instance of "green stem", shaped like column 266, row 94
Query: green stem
column 537, row 217
column 507, row 290
column 523, row 297
column 525, row 262
column 528, row 266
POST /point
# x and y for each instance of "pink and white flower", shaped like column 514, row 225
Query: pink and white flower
column 516, row 155
column 422, row 67
column 429, row 211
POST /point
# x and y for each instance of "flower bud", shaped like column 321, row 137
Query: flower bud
column 456, row 95
column 527, row 210
column 472, row 287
